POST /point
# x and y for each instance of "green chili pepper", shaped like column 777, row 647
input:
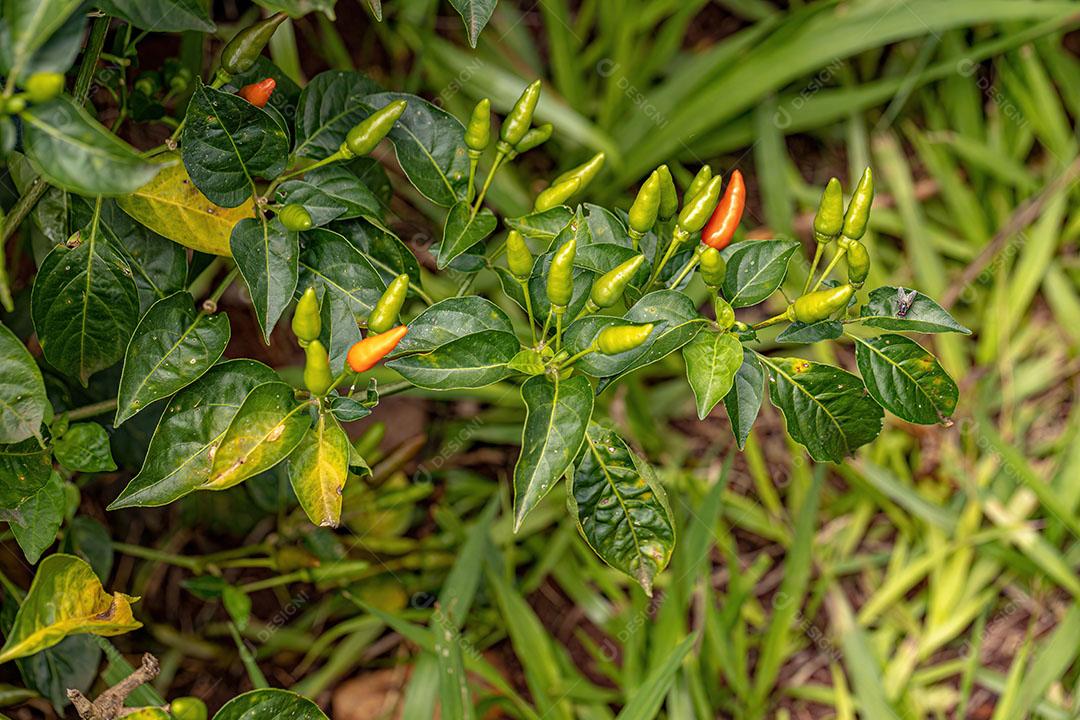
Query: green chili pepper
column 518, row 256
column 858, row 263
column 858, row 210
column 609, row 287
column 188, row 708
column 478, row 133
column 42, row 87
column 385, row 314
column 622, row 338
column 820, row 305
column 586, row 172
column 556, row 195
column 713, row 267
column 704, row 175
column 363, row 138
column 519, row 119
column 306, row 322
column 829, row 220
column 317, row 375
column 14, row 105
column 669, row 196
column 697, row 212
column 560, row 279
column 725, row 315
column 240, row 53
column 646, row 207
column 148, row 84
column 295, row 217
column 536, row 137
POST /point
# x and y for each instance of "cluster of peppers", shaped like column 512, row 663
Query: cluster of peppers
column 41, row 87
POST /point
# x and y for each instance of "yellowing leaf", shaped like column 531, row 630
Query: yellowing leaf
column 318, row 468
column 66, row 598
column 172, row 206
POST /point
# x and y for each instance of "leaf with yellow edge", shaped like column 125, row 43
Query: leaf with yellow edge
column 172, row 206
column 318, row 469
column 66, row 598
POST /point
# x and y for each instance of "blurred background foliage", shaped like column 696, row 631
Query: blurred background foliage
column 935, row 575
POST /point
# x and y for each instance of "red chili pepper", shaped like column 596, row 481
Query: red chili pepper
column 725, row 218
column 367, row 353
column 258, row 93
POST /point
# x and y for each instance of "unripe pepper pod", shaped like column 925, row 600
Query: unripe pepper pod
column 385, row 314
column 306, row 322
column 536, row 137
column 556, row 195
column 42, row 87
column 363, row 138
column 518, row 256
column 858, row 210
column 317, row 375
column 704, row 175
column 696, row 213
column 820, row 305
column 240, row 53
column 586, row 172
column 188, row 708
column 829, row 220
column 858, row 263
column 725, row 315
column 295, row 217
column 519, row 119
column 725, row 218
column 258, row 93
column 622, row 338
column 478, row 133
column 560, row 279
column 646, row 207
column 713, row 267
column 669, row 196
column 609, row 287
column 367, row 353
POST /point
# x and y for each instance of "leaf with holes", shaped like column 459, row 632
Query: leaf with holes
column 905, row 379
column 620, row 507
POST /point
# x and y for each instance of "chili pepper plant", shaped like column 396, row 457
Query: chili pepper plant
column 267, row 185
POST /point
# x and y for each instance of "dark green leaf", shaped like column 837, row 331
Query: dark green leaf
column 330, row 105
column 755, row 269
column 330, row 262
column 173, row 345
column 72, row 663
column 543, row 226
column 475, row 14
column 344, row 187
column 744, row 401
column 24, row 468
column 75, row 152
column 463, row 230
column 450, row 319
column 712, row 359
column 36, row 519
column 825, row 408
column 924, row 315
column 23, row 403
column 267, row 255
column 620, row 508
column 387, row 253
column 557, row 413
column 179, row 458
column 270, row 704
column 321, row 206
column 606, row 227
column 161, row 15
column 27, row 26
column 906, row 379
column 228, row 142
column 339, row 329
column 472, row 361
column 85, row 305
column 348, row 409
column 430, row 147
column 264, row 431
column 318, row 468
column 84, row 447
column 90, row 540
column 801, row 333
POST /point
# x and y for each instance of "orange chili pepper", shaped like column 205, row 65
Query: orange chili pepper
column 725, row 218
column 367, row 353
column 258, row 93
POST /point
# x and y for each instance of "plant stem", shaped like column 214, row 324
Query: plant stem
column 395, row 388
column 193, row 564
column 829, row 268
column 547, row 324
column 574, row 358
column 499, row 157
column 558, row 328
column 93, row 410
column 415, row 287
column 774, row 320
column 222, row 287
column 690, row 265
column 90, row 58
column 813, row 266
column 677, row 237
column 202, row 281
column 474, row 161
column 528, row 309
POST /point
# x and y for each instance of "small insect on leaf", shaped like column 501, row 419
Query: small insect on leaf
column 904, row 301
